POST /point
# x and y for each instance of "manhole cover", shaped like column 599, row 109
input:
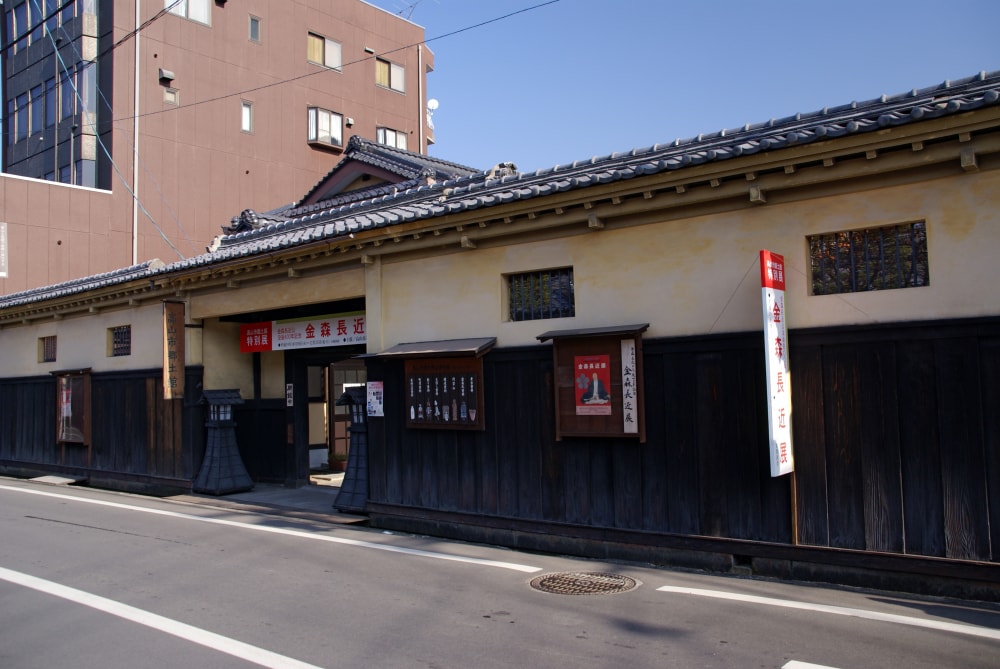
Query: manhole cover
column 583, row 583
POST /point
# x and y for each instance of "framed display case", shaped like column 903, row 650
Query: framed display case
column 599, row 382
column 443, row 382
column 73, row 402
column 444, row 393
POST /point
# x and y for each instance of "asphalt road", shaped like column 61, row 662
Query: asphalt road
column 91, row 578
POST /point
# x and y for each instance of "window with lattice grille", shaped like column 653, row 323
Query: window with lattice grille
column 882, row 258
column 47, row 349
column 542, row 294
column 120, row 341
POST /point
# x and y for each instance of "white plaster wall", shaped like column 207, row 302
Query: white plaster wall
column 701, row 275
column 82, row 342
column 225, row 366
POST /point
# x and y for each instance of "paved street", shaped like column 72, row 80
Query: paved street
column 92, row 578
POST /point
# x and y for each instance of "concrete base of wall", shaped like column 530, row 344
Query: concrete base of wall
column 895, row 573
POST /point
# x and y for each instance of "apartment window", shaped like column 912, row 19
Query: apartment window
column 21, row 116
column 254, row 29
column 66, row 94
column 325, row 127
column 323, row 51
column 390, row 137
column 542, row 294
column 47, row 349
column 20, row 14
column 52, row 11
column 36, row 22
column 86, row 173
column 37, row 108
column 390, row 75
column 50, row 102
column 86, row 88
column 883, row 258
column 196, row 10
column 119, row 341
column 246, row 121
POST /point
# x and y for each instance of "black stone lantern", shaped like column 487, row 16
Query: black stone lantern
column 222, row 471
column 353, row 495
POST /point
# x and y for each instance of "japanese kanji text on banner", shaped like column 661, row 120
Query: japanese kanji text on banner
column 331, row 330
column 779, row 389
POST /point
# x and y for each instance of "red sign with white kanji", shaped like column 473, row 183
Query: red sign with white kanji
column 779, row 392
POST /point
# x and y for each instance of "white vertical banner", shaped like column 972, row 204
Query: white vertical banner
column 779, row 380
column 630, row 399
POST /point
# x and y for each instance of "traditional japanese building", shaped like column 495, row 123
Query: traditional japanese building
column 574, row 359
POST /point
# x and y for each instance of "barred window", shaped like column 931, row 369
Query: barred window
column 853, row 261
column 120, row 341
column 47, row 349
column 542, row 294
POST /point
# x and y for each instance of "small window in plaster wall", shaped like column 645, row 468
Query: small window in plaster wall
column 119, row 341
column 47, row 349
column 542, row 294
column 254, row 29
column 882, row 258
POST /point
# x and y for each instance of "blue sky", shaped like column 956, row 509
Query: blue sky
column 573, row 79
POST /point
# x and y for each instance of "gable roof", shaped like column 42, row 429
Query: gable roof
column 352, row 212
column 397, row 165
column 395, row 169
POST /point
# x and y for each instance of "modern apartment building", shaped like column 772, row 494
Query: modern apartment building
column 151, row 123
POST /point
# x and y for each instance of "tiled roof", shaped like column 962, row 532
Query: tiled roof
column 407, row 165
column 81, row 285
column 378, row 209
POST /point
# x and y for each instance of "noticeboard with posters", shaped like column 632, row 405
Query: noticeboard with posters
column 598, row 382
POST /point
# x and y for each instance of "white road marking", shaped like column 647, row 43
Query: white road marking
column 840, row 611
column 287, row 532
column 245, row 651
column 795, row 664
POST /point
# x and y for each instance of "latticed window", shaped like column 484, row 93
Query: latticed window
column 543, row 294
column 883, row 258
column 120, row 340
column 47, row 349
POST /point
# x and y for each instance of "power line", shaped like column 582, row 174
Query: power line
column 353, row 62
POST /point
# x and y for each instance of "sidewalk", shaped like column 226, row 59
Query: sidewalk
column 311, row 502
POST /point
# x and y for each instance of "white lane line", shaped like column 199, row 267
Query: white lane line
column 287, row 532
column 795, row 664
column 840, row 611
column 245, row 651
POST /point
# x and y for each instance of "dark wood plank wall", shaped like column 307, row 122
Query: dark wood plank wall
column 262, row 438
column 28, row 420
column 897, row 444
column 134, row 431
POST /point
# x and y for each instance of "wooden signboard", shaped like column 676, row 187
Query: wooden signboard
column 599, row 382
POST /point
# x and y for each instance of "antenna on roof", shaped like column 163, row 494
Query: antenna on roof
column 409, row 9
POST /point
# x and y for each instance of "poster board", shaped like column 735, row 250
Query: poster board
column 598, row 382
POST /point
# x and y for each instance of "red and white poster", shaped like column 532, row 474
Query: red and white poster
column 593, row 385
column 779, row 388
column 333, row 330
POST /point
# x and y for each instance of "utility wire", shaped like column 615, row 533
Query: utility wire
column 87, row 118
column 347, row 64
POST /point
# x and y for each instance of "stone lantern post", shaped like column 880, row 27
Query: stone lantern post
column 353, row 495
column 222, row 470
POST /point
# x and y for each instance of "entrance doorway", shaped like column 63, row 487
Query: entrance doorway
column 329, row 439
